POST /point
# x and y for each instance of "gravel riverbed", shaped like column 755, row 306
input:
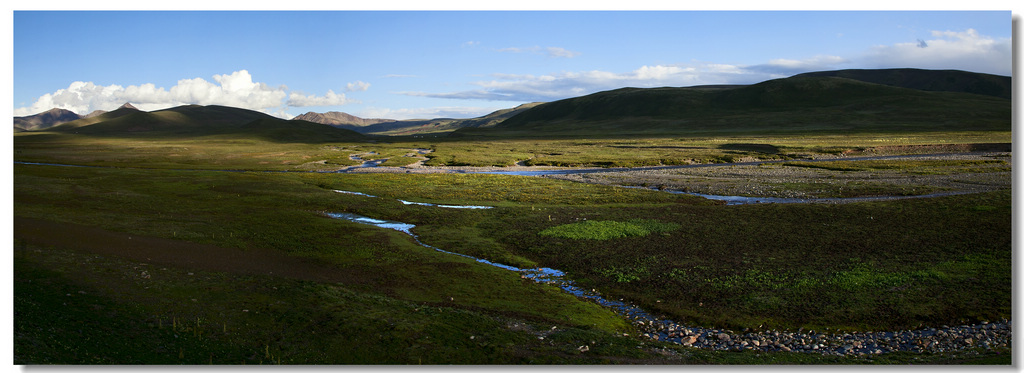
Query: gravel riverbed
column 933, row 340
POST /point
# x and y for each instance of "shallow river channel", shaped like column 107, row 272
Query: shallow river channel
column 936, row 339
column 930, row 340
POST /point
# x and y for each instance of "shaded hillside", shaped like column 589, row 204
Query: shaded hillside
column 280, row 130
column 796, row 104
column 928, row 80
column 193, row 119
column 94, row 117
column 196, row 120
column 45, row 119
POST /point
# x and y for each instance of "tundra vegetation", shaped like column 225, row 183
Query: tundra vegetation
column 359, row 295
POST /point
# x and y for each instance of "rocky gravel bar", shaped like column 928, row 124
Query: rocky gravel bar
column 985, row 335
column 932, row 340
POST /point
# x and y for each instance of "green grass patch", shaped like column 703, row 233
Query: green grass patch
column 864, row 266
column 606, row 230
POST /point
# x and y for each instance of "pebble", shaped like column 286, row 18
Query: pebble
column 988, row 335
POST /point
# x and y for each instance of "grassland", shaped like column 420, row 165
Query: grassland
column 242, row 153
column 343, row 293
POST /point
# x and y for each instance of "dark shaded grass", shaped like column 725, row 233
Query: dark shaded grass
column 283, row 212
column 862, row 266
column 868, row 266
column 105, row 313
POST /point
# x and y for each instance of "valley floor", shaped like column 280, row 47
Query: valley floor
column 774, row 179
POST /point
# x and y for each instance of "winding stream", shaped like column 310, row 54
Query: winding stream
column 574, row 171
column 924, row 340
column 743, row 200
column 730, row 200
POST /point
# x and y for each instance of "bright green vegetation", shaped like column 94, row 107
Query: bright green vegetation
column 606, row 230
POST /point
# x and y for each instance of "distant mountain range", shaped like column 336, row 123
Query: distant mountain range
column 339, row 119
column 835, row 101
column 191, row 121
column 410, row 126
column 54, row 117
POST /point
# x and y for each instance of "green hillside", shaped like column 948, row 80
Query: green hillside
column 195, row 121
column 928, row 80
column 792, row 105
column 86, row 121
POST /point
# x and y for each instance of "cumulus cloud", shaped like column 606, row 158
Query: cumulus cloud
column 236, row 89
column 357, row 86
column 330, row 99
column 961, row 50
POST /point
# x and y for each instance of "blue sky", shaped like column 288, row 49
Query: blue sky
column 427, row 64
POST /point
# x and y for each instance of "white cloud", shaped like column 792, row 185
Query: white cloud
column 525, row 87
column 962, row 50
column 556, row 52
column 790, row 66
column 236, row 89
column 357, row 86
column 560, row 52
column 330, row 99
